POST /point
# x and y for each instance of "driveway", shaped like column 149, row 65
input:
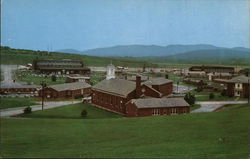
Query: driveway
column 182, row 89
column 47, row 105
column 210, row 106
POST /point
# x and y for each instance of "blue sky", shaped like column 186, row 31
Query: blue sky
column 86, row 24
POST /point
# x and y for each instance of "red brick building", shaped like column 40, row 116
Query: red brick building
column 17, row 88
column 114, row 94
column 209, row 69
column 60, row 66
column 238, row 87
column 66, row 90
column 77, row 78
column 156, row 106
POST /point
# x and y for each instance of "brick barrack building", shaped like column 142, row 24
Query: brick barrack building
column 238, row 86
column 66, row 90
column 116, row 94
column 60, row 66
column 156, row 106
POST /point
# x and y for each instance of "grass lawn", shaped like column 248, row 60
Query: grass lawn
column 195, row 106
column 37, row 80
column 97, row 77
column 218, row 97
column 233, row 107
column 220, row 135
column 16, row 102
column 72, row 111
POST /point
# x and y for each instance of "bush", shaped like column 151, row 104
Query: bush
column 199, row 89
column 211, row 96
column 189, row 98
column 224, row 92
column 78, row 97
column 166, row 76
column 84, row 113
column 53, row 78
column 27, row 110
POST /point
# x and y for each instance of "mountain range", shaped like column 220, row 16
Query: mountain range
column 169, row 51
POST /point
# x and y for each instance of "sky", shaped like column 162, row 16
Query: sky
column 87, row 24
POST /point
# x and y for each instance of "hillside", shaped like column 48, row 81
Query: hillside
column 196, row 136
column 218, row 56
column 20, row 56
column 148, row 50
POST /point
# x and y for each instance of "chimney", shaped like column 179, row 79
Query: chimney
column 138, row 86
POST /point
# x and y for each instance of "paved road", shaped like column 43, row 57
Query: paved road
column 47, row 105
column 209, row 106
column 182, row 89
column 104, row 69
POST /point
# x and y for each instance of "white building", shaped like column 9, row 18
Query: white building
column 110, row 71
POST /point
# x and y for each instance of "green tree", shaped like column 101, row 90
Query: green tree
column 166, row 76
column 53, row 78
column 190, row 98
column 211, row 96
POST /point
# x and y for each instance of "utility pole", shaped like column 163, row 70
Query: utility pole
column 248, row 91
column 43, row 84
column 177, row 86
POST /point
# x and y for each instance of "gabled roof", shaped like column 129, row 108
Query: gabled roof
column 239, row 79
column 116, row 86
column 157, row 81
column 70, row 86
column 159, row 102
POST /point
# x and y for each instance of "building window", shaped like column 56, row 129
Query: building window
column 173, row 111
column 156, row 112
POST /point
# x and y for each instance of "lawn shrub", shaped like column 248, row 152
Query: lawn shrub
column 224, row 92
column 84, row 113
column 27, row 110
column 211, row 96
column 53, row 78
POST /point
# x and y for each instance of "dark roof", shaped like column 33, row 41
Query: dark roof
column 214, row 66
column 159, row 102
column 62, row 68
column 115, row 86
column 239, row 79
column 70, row 86
column 157, row 81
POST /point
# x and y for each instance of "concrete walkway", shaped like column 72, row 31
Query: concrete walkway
column 4, row 113
column 210, row 106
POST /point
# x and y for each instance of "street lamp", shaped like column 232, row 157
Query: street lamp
column 43, row 84
column 248, row 91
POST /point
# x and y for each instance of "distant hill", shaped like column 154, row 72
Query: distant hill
column 147, row 50
column 217, row 56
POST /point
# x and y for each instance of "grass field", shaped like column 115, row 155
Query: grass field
column 217, row 97
column 233, row 107
column 195, row 106
column 16, row 102
column 72, row 111
column 37, row 80
column 220, row 135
